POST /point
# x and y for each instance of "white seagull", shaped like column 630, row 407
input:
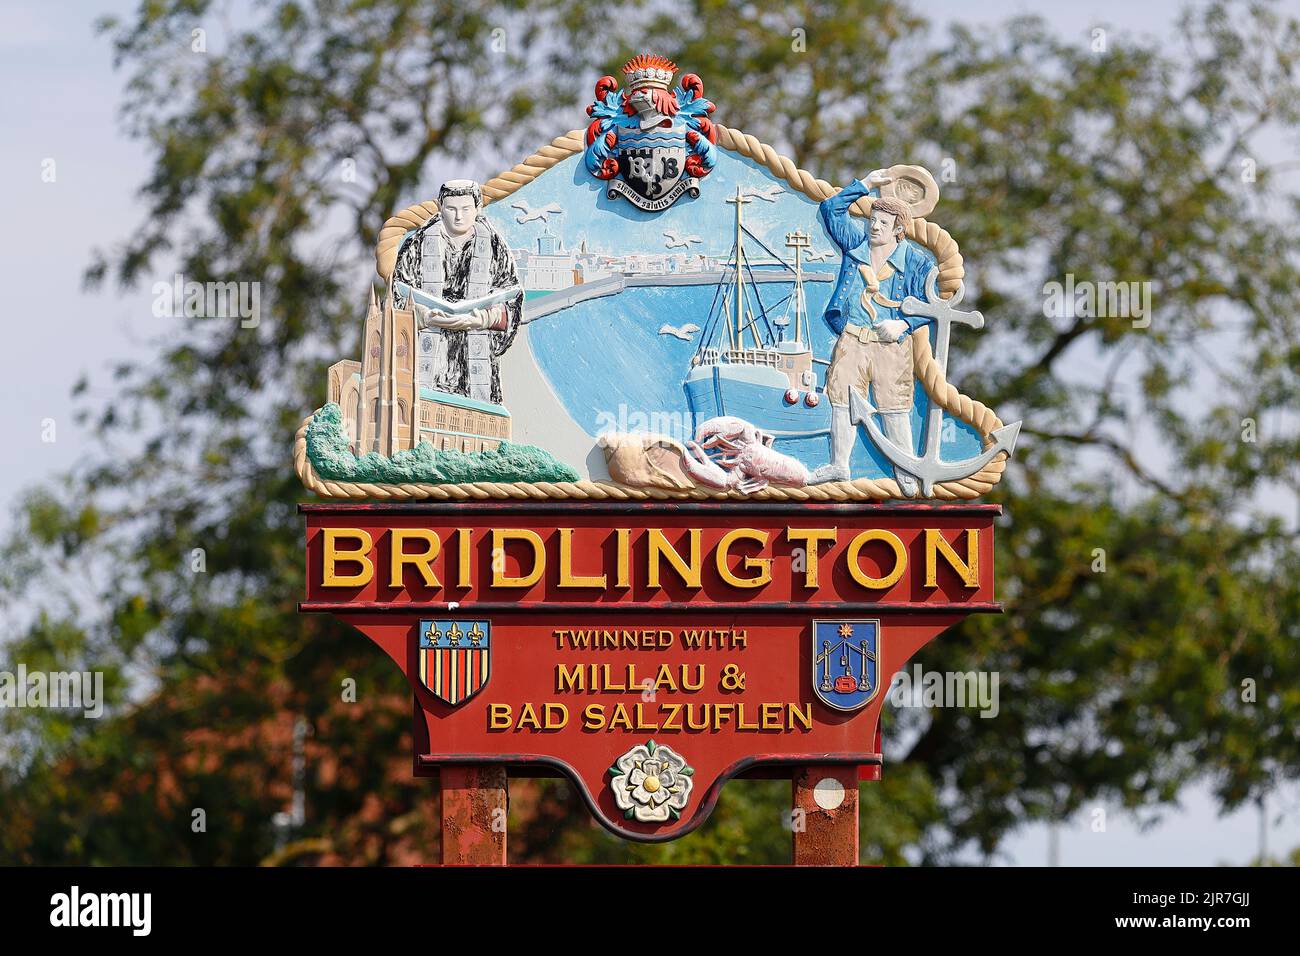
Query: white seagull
column 527, row 213
column 684, row 333
column 814, row 256
column 767, row 195
column 675, row 239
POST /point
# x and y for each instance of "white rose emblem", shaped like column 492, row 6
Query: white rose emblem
column 651, row 784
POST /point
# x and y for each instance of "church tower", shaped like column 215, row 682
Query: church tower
column 389, row 419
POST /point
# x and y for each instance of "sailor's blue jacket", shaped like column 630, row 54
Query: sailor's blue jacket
column 911, row 264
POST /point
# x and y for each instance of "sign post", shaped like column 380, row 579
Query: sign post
column 650, row 474
column 826, row 804
column 474, row 801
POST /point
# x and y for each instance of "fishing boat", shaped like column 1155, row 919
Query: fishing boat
column 754, row 362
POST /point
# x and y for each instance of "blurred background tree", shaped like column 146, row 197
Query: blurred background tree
column 1148, row 559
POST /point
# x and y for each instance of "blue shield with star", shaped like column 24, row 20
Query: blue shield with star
column 455, row 658
column 846, row 663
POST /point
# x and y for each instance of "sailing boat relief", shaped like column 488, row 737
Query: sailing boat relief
column 752, row 363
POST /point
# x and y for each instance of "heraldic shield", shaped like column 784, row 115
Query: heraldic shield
column 846, row 662
column 455, row 658
column 652, row 161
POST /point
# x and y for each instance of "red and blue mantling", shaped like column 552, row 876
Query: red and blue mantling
column 615, row 125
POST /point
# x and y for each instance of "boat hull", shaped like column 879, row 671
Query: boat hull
column 757, row 395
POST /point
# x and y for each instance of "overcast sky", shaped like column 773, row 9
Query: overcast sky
column 59, row 99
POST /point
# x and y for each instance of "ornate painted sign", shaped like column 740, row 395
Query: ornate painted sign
column 633, row 408
column 648, row 654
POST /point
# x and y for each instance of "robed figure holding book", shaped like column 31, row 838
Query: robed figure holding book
column 458, row 276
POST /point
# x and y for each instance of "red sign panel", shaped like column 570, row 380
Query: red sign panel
column 650, row 652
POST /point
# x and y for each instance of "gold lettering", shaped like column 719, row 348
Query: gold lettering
column 704, row 717
column 664, row 679
column 567, row 578
column 672, row 712
column 499, row 577
column 688, row 571
column 811, row 538
column 422, row 560
column 607, row 682
column 723, row 552
column 741, row 724
column 593, row 717
column 464, row 537
column 968, row 570
column 528, row 718
column 620, row 718
column 801, row 715
column 641, row 722
column 334, row 555
column 622, row 574
column 499, row 717
column 861, row 541
column 555, row 717
column 566, row 680
column 721, row 711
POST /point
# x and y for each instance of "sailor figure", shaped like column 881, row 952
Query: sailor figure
column 879, row 269
column 457, row 255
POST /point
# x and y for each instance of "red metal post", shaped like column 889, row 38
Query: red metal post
column 473, row 815
column 872, row 771
column 825, row 820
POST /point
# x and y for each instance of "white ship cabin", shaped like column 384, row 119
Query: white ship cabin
column 794, row 359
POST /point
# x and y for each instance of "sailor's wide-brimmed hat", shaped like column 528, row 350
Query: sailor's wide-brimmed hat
column 914, row 187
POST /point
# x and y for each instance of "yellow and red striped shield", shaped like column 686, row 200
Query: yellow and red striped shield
column 455, row 658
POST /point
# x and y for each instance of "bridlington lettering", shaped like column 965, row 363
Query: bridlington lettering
column 594, row 560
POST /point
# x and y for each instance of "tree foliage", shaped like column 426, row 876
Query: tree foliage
column 1148, row 559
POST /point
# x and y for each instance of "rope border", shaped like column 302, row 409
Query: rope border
column 860, row 489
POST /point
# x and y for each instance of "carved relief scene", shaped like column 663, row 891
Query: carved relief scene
column 660, row 306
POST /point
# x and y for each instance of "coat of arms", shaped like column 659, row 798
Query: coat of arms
column 846, row 662
column 455, row 658
column 653, row 143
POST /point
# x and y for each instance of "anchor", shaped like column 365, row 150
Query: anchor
column 930, row 468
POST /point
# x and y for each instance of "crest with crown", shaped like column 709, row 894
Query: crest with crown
column 649, row 69
column 652, row 143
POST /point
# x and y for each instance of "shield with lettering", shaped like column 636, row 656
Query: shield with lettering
column 846, row 662
column 652, row 161
column 455, row 658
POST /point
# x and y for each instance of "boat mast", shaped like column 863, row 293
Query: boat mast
column 798, row 241
column 738, row 338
